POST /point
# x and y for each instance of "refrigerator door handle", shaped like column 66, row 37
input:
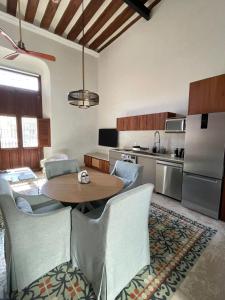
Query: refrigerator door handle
column 202, row 178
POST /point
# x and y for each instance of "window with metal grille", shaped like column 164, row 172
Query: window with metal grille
column 8, row 132
column 29, row 132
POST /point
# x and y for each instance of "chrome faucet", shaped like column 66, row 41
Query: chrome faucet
column 157, row 142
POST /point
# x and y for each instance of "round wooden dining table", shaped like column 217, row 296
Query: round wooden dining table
column 67, row 189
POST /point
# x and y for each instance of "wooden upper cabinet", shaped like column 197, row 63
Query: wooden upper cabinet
column 119, row 124
column 132, row 123
column 144, row 122
column 159, row 122
column 44, row 133
column 207, row 95
column 128, row 123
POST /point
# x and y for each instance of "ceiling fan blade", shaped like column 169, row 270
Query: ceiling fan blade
column 41, row 55
column 11, row 56
column 5, row 35
column 20, row 48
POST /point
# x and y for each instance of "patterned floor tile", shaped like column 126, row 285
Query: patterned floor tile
column 176, row 243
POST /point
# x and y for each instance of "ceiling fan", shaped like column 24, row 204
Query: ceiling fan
column 20, row 47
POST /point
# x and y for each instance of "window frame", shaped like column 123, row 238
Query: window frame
column 17, row 132
column 27, row 148
column 20, row 132
column 22, row 73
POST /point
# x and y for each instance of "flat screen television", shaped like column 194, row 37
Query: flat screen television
column 108, row 137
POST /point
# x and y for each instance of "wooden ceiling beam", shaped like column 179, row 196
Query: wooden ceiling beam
column 49, row 14
column 100, row 22
column 67, row 16
column 139, row 7
column 119, row 34
column 31, row 10
column 83, row 20
column 150, row 7
column 114, row 26
column 11, row 7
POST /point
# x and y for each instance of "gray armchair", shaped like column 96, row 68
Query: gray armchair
column 36, row 242
column 110, row 247
column 130, row 174
column 61, row 167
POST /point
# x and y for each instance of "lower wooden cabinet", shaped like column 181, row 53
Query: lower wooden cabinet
column 88, row 161
column 96, row 163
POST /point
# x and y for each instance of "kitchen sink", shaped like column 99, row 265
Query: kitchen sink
column 147, row 153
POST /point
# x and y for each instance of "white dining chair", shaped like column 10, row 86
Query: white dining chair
column 61, row 167
column 131, row 174
column 110, row 247
column 37, row 235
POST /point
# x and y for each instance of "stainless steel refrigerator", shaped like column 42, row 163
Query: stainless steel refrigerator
column 204, row 163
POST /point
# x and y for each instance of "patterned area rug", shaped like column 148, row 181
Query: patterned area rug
column 176, row 242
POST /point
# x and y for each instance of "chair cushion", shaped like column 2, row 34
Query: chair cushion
column 126, row 181
column 46, row 207
column 23, row 205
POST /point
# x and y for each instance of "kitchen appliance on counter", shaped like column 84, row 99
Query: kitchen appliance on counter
column 169, row 177
column 179, row 152
column 177, row 125
column 139, row 148
column 114, row 156
column 204, row 163
column 129, row 158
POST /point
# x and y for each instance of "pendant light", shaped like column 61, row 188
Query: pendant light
column 83, row 98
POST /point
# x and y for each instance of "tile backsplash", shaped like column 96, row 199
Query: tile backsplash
column 127, row 139
column 170, row 141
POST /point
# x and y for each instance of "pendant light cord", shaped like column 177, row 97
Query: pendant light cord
column 83, row 44
column 19, row 15
column 83, row 98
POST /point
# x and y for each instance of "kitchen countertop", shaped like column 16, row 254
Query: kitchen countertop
column 165, row 157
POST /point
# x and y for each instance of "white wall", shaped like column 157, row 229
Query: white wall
column 73, row 130
column 149, row 68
